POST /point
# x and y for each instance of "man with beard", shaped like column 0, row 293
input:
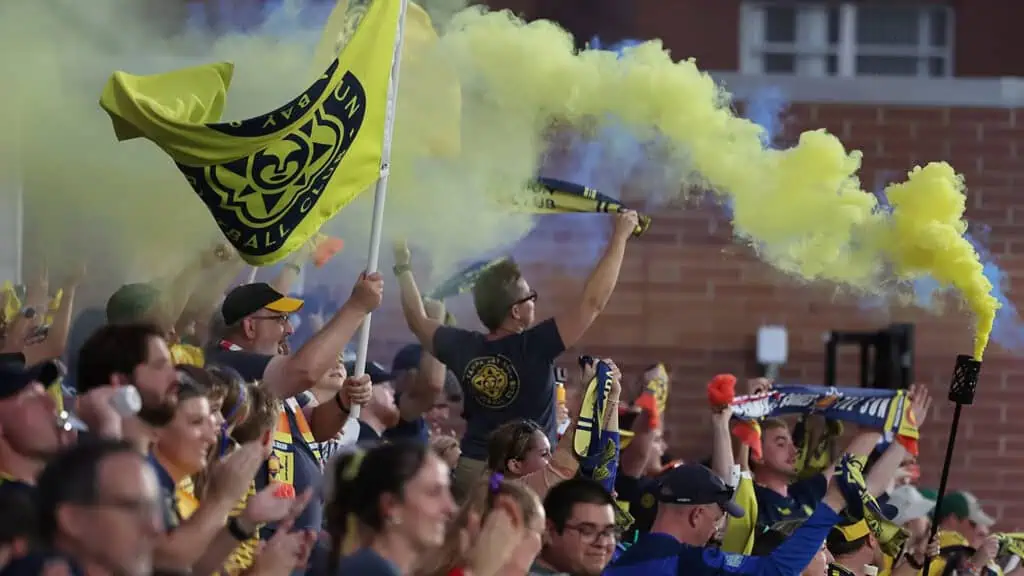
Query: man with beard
column 137, row 354
column 29, row 434
column 121, row 355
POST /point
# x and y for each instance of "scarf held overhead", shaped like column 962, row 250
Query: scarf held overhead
column 885, row 410
column 552, row 196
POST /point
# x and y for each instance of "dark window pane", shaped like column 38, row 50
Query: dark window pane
column 887, row 65
column 775, row 63
column 938, row 26
column 833, row 25
column 937, row 67
column 831, row 65
column 780, row 24
column 888, row 25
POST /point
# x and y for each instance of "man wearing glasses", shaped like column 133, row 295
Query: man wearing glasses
column 508, row 373
column 580, row 535
column 257, row 325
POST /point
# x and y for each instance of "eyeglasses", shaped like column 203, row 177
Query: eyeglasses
column 591, row 533
column 281, row 318
column 531, row 297
column 143, row 509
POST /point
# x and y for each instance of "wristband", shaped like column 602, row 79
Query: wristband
column 400, row 269
column 237, row 532
column 341, row 405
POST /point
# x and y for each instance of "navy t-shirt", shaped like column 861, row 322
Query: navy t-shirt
column 168, row 495
column 415, row 430
column 505, row 379
column 804, row 496
column 367, row 435
column 306, row 472
column 366, row 562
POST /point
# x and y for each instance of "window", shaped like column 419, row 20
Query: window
column 845, row 39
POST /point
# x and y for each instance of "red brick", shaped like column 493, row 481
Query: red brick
column 934, row 116
column 995, row 116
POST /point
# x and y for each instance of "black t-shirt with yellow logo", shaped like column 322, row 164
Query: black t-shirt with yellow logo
column 505, row 379
column 639, row 494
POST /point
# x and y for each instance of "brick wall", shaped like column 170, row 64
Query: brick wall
column 690, row 298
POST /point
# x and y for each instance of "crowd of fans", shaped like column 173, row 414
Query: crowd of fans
column 243, row 458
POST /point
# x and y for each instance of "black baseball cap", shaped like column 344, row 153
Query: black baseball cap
column 376, row 372
column 251, row 298
column 407, row 358
column 14, row 377
column 693, row 485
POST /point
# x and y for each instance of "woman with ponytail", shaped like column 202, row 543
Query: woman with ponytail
column 391, row 504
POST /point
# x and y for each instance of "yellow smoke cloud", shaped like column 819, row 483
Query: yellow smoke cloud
column 802, row 209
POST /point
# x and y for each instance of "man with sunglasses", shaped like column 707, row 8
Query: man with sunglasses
column 692, row 507
column 508, row 373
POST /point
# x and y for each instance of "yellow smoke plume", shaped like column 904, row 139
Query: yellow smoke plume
column 803, row 209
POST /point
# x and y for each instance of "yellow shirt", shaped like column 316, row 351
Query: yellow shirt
column 739, row 532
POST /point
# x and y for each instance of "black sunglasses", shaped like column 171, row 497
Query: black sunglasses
column 531, row 297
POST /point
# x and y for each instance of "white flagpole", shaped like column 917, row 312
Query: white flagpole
column 379, row 194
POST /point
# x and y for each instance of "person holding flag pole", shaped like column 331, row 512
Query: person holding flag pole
column 351, row 431
column 270, row 182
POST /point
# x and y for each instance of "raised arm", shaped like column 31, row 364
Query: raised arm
column 575, row 320
column 883, row 473
column 421, row 324
column 430, row 375
column 291, row 375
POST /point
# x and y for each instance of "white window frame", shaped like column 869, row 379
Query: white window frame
column 812, row 48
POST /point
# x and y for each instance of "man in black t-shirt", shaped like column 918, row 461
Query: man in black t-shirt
column 507, row 373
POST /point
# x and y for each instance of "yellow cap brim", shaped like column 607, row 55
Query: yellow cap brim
column 285, row 305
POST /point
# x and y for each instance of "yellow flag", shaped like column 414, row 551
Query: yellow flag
column 427, row 82
column 271, row 181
